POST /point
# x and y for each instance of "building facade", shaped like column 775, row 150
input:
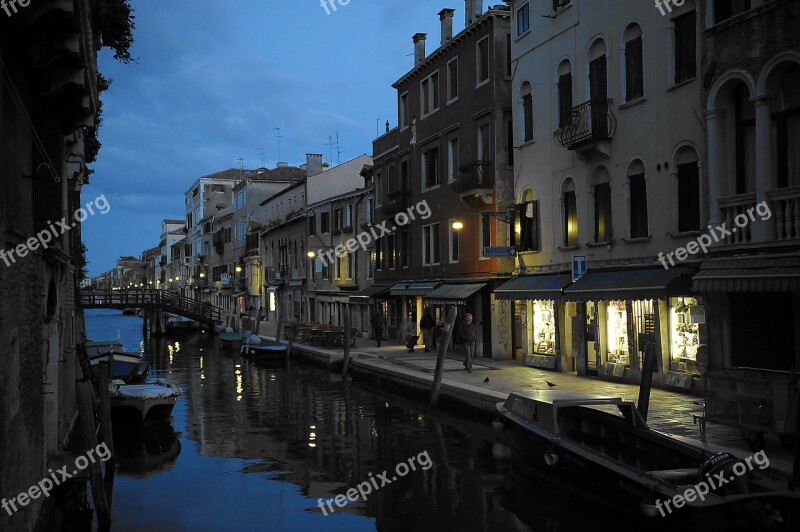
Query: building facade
column 443, row 182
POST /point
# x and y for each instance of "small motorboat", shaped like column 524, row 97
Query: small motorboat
column 266, row 350
column 151, row 402
column 127, row 366
column 602, row 447
column 230, row 341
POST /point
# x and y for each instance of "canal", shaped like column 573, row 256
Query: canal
column 256, row 448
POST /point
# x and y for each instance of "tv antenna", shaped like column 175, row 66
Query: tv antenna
column 262, row 155
column 279, row 137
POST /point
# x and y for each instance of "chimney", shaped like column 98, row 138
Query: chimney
column 474, row 11
column 419, row 47
column 313, row 164
column 446, row 16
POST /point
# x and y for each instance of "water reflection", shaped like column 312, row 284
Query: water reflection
column 147, row 451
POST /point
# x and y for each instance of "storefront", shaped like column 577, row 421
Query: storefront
column 362, row 306
column 618, row 315
column 467, row 298
column 538, row 320
column 405, row 308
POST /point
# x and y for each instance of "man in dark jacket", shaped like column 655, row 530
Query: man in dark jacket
column 378, row 323
column 427, row 324
column 469, row 337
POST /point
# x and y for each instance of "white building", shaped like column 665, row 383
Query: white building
column 609, row 128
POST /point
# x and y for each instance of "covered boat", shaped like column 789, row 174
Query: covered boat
column 266, row 350
column 603, row 447
column 149, row 403
column 127, row 366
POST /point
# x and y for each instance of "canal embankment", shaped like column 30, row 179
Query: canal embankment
column 391, row 367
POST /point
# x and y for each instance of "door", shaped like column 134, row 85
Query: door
column 592, row 338
column 598, row 88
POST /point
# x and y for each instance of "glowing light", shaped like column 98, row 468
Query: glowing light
column 457, row 225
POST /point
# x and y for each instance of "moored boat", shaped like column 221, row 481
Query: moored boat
column 126, row 366
column 603, row 447
column 230, row 341
column 267, row 350
column 147, row 403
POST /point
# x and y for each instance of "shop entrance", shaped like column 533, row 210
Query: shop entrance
column 592, row 338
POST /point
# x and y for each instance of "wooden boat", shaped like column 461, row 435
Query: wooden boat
column 148, row 403
column 230, row 341
column 267, row 350
column 126, row 366
column 602, row 447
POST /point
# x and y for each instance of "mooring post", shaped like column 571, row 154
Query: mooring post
column 90, row 439
column 104, row 411
column 647, row 378
column 346, row 363
column 442, row 353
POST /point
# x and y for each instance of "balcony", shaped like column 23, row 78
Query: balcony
column 591, row 123
column 782, row 225
column 474, row 176
column 733, row 206
column 394, row 203
column 785, row 203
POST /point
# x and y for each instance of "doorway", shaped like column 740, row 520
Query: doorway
column 592, row 337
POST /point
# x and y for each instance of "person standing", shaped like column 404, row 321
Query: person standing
column 469, row 337
column 426, row 324
column 378, row 323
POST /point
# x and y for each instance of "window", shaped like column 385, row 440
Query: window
column 454, row 247
column 634, row 68
column 312, row 224
column 787, row 123
column 405, row 258
column 348, row 215
column 430, row 168
column 528, row 217
column 351, row 261
column 241, row 229
column 570, row 212
column 508, row 55
column 430, row 244
column 338, row 219
column 452, row 160
column 527, row 112
column 637, row 185
column 689, row 196
column 564, row 94
column 379, row 188
column 391, row 254
column 340, row 266
column 370, row 264
column 429, row 94
column 685, row 47
column 744, row 139
column 725, row 9
column 325, row 222
column 602, row 213
column 404, row 110
column 485, row 233
column 452, row 80
column 483, row 61
column 523, row 19
column 484, row 143
column 598, row 90
column 370, row 207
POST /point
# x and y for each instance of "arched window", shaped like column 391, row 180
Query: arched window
column 744, row 126
column 634, row 66
column 598, row 88
column 786, row 127
column 601, row 192
column 688, row 190
column 564, row 94
column 527, row 112
column 637, row 200
column 569, row 209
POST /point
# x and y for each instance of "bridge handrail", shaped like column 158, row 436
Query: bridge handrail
column 133, row 297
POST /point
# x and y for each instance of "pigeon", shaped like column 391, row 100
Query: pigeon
column 486, row 380
column 551, row 385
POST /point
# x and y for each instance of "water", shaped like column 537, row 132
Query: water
column 259, row 446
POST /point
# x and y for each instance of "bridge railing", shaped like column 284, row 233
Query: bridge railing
column 149, row 297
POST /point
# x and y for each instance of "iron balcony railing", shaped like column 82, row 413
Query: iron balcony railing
column 590, row 122
column 394, row 203
column 472, row 176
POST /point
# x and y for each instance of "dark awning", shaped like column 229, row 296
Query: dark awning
column 543, row 287
column 756, row 274
column 413, row 289
column 363, row 296
column 630, row 285
column 453, row 294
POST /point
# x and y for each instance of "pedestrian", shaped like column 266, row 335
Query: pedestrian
column 411, row 337
column 426, row 324
column 378, row 323
column 469, row 337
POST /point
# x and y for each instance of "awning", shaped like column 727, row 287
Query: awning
column 453, row 294
column 541, row 287
column 634, row 285
column 273, row 288
column 756, row 274
column 363, row 296
column 413, row 289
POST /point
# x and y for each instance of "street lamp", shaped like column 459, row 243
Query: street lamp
column 458, row 225
column 311, row 254
column 238, row 269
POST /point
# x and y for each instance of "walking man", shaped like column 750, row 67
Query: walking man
column 426, row 324
column 469, row 338
column 378, row 323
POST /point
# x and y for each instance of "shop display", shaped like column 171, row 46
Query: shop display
column 617, row 330
column 686, row 317
column 544, row 328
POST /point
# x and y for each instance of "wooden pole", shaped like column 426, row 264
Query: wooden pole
column 95, row 473
column 106, row 431
column 647, row 378
column 346, row 340
column 795, row 483
column 446, row 337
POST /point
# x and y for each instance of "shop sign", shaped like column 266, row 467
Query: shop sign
column 499, row 252
column 578, row 267
column 697, row 314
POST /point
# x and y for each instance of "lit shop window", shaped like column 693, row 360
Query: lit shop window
column 544, row 328
column 617, row 329
column 686, row 317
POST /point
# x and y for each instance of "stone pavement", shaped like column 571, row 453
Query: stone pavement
column 669, row 412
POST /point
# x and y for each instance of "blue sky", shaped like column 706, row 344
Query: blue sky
column 214, row 79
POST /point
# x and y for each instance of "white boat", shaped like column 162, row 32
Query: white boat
column 127, row 366
column 147, row 403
